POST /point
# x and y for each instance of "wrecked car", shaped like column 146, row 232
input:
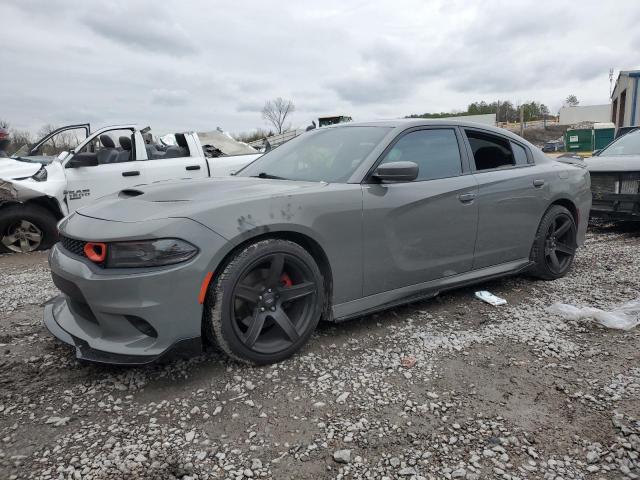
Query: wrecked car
column 71, row 166
column 615, row 179
column 338, row 222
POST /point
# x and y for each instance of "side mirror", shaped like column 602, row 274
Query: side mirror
column 397, row 172
column 81, row 161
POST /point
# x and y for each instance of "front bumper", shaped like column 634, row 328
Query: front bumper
column 57, row 308
column 129, row 316
column 615, row 206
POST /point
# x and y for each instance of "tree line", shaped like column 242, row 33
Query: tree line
column 505, row 110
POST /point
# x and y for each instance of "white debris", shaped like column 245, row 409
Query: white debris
column 490, row 298
column 623, row 317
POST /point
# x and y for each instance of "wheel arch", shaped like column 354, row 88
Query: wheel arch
column 306, row 241
column 569, row 205
column 48, row 203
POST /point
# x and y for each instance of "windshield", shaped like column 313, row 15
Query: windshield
column 326, row 154
column 22, row 151
column 22, row 156
column 628, row 144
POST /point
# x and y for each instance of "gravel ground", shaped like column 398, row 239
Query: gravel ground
column 446, row 388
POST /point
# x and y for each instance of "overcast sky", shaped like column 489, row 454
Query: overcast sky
column 198, row 64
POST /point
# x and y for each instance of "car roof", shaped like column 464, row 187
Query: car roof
column 430, row 122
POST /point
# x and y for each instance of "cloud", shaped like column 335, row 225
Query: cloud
column 169, row 98
column 145, row 27
column 186, row 65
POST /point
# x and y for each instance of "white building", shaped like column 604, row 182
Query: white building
column 624, row 99
column 585, row 113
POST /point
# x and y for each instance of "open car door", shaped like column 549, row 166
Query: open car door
column 63, row 138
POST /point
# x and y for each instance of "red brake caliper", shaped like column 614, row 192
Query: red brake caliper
column 286, row 280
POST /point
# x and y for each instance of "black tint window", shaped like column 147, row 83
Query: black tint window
column 519, row 153
column 435, row 151
column 490, row 151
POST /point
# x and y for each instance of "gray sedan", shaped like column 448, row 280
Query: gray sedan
column 337, row 223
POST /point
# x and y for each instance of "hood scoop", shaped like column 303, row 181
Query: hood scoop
column 129, row 193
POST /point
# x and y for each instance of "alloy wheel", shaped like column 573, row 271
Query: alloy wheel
column 559, row 245
column 22, row 237
column 273, row 303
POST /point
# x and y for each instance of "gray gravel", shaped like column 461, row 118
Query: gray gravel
column 449, row 388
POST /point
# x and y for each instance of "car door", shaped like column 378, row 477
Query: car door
column 422, row 230
column 183, row 160
column 118, row 167
column 511, row 197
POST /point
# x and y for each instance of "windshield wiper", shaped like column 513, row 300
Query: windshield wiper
column 269, row 176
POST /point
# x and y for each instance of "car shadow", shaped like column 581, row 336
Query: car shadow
column 631, row 229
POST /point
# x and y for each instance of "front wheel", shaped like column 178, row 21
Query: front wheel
column 26, row 228
column 555, row 244
column 266, row 303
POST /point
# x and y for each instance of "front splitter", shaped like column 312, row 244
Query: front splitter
column 182, row 348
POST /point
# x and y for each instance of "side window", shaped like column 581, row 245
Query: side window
column 520, row 154
column 490, row 151
column 168, row 146
column 114, row 146
column 62, row 141
column 435, row 151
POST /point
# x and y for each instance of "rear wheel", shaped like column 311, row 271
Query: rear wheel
column 266, row 303
column 555, row 244
column 26, row 228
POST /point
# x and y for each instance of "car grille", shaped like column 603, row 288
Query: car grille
column 72, row 245
column 630, row 183
column 604, row 183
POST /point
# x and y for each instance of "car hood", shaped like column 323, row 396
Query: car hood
column 617, row 163
column 11, row 169
column 189, row 198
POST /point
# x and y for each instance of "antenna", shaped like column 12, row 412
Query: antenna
column 610, row 82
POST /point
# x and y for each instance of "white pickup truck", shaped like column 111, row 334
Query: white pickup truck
column 40, row 184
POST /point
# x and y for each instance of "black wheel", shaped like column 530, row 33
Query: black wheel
column 555, row 244
column 26, row 228
column 266, row 303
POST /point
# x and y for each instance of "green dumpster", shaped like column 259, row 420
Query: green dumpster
column 578, row 140
column 603, row 134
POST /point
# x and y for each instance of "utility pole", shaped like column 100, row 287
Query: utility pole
column 610, row 82
column 498, row 112
column 522, row 121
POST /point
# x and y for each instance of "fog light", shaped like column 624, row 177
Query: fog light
column 96, row 252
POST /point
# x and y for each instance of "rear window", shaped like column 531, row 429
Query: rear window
column 490, row 151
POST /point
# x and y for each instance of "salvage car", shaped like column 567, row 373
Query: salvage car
column 334, row 224
column 43, row 182
column 615, row 179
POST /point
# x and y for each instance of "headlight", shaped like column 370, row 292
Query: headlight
column 149, row 253
column 40, row 175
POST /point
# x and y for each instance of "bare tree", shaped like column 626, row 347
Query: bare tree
column 276, row 112
column 4, row 124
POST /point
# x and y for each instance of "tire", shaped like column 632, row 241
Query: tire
column 555, row 244
column 265, row 304
column 26, row 228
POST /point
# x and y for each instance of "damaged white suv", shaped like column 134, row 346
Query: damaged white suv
column 42, row 183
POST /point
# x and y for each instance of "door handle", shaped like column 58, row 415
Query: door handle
column 193, row 167
column 538, row 183
column 466, row 197
column 132, row 173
